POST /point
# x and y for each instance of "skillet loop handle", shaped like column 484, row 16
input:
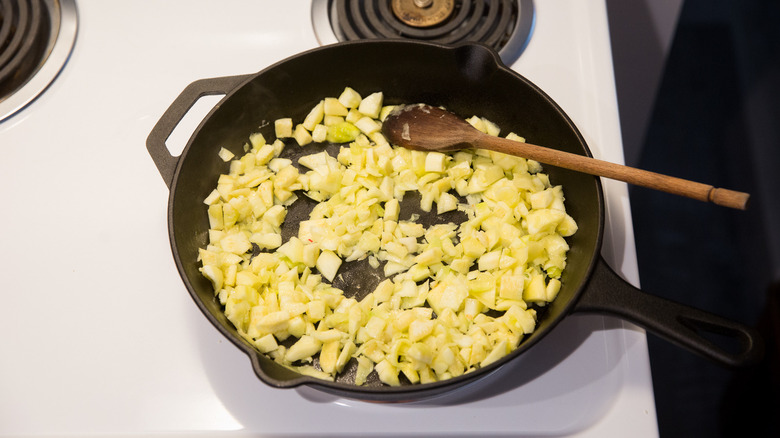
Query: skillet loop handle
column 608, row 293
column 166, row 163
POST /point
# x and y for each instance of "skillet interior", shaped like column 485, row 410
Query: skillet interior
column 468, row 80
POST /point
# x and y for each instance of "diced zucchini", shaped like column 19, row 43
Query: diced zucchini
column 456, row 295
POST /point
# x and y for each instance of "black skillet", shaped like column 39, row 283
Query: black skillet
column 467, row 79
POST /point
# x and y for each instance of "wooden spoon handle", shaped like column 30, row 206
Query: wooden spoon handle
column 639, row 177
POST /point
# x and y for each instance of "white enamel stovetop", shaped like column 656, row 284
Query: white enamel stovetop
column 98, row 335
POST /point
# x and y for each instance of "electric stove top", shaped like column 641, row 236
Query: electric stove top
column 99, row 335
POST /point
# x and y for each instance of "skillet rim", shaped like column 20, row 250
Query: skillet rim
column 410, row 391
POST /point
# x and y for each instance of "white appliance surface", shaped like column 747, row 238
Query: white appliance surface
column 99, row 336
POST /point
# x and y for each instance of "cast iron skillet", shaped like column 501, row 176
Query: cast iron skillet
column 467, row 79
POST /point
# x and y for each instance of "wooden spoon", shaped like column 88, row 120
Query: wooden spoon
column 428, row 128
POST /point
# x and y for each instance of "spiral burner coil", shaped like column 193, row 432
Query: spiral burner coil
column 504, row 25
column 36, row 37
column 24, row 32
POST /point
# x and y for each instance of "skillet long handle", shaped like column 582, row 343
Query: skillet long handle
column 631, row 175
column 682, row 325
column 155, row 143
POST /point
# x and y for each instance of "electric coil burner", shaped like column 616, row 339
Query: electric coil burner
column 36, row 38
column 504, row 25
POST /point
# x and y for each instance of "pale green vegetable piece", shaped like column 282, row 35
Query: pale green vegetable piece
column 328, row 264
column 315, row 116
column 283, row 128
column 350, row 98
column 371, row 105
column 342, row 132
